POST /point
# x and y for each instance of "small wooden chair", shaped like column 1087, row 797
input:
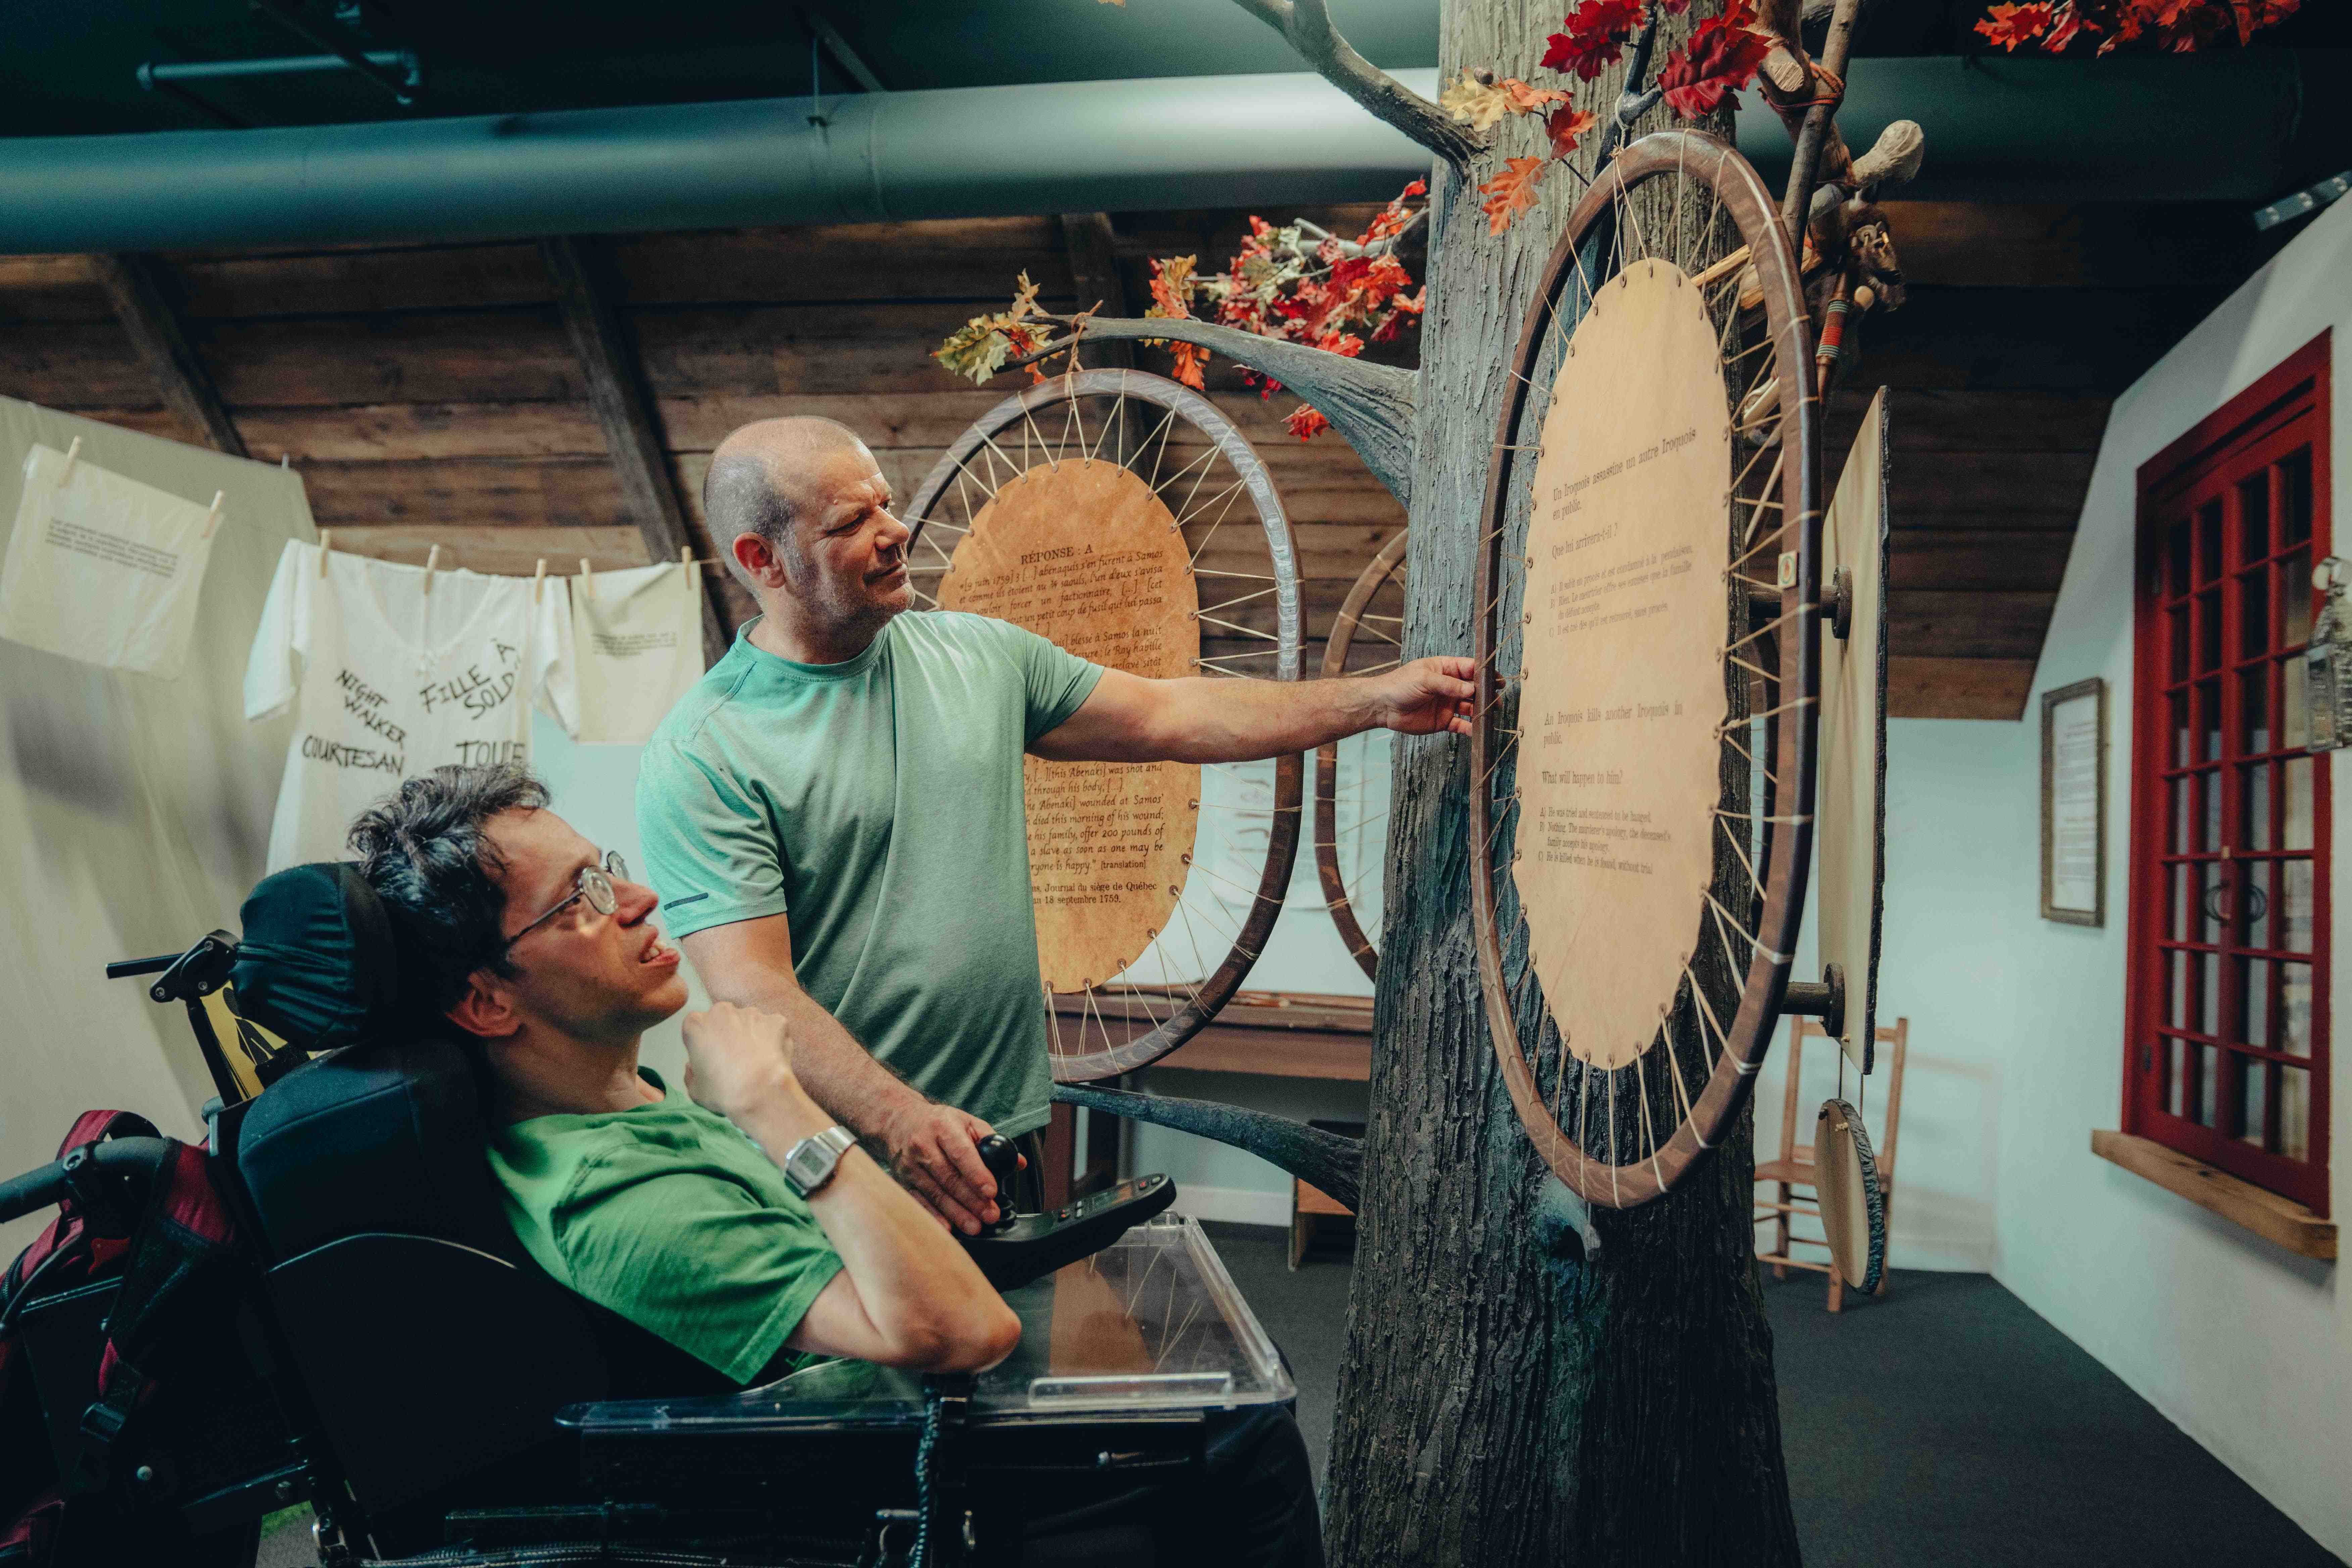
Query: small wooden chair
column 1794, row 1168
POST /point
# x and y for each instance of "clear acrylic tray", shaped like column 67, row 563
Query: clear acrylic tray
column 1150, row 1322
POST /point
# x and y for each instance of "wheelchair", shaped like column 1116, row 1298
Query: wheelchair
column 387, row 1352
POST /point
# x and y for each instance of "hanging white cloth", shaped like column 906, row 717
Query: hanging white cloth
column 103, row 568
column 638, row 634
column 391, row 679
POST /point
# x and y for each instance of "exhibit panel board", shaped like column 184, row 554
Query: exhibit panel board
column 1851, row 834
column 1084, row 552
column 1624, row 704
column 134, row 809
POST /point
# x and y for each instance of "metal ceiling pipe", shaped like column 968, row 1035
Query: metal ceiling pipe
column 2229, row 125
column 2018, row 129
column 1187, row 141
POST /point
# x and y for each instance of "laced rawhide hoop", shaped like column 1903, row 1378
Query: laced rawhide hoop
column 1853, row 1204
column 1366, row 637
column 1641, row 771
column 1121, row 515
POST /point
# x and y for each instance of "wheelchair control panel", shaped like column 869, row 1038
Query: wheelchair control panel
column 1020, row 1247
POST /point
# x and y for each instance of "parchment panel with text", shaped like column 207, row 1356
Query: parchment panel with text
column 1084, row 552
column 1623, row 702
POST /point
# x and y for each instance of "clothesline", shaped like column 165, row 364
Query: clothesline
column 685, row 557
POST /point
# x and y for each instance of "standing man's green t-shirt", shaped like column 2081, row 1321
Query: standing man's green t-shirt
column 878, row 804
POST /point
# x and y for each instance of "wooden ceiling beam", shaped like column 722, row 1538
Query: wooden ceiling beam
column 624, row 411
column 133, row 287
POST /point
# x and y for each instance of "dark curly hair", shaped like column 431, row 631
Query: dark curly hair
column 425, row 852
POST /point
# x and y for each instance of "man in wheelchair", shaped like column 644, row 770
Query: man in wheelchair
column 470, row 1216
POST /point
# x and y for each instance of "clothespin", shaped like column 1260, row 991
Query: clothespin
column 584, row 585
column 326, row 548
column 538, row 580
column 212, row 519
column 431, row 564
column 72, row 453
column 285, row 459
column 686, row 559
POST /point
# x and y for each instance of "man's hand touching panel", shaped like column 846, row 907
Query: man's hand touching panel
column 1429, row 695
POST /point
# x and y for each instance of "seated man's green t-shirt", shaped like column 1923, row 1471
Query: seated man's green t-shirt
column 877, row 803
column 667, row 1215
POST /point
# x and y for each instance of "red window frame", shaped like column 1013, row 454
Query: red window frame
column 2224, row 607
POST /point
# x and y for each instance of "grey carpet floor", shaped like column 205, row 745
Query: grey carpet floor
column 1943, row 1424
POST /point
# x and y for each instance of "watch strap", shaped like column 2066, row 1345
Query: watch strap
column 813, row 1160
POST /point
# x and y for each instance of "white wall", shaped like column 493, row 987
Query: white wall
column 2247, row 1347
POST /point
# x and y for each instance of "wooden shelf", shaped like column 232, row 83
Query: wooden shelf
column 1270, row 1034
column 2267, row 1214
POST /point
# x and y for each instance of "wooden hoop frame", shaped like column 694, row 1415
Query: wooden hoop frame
column 1126, row 1028
column 1601, row 217
column 1374, row 577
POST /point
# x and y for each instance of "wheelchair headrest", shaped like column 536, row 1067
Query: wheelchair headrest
column 318, row 963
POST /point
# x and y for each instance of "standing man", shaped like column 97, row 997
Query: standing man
column 834, row 815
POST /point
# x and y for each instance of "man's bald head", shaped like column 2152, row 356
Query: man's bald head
column 759, row 481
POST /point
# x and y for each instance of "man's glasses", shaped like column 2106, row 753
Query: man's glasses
column 593, row 884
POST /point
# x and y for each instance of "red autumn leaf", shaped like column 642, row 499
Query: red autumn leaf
column 1510, row 193
column 1673, row 7
column 1592, row 36
column 2010, row 25
column 1566, row 126
column 1306, row 423
column 1717, row 62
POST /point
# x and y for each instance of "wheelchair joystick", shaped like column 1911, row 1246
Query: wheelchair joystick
column 997, row 1152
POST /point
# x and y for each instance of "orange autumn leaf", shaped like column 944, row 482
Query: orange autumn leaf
column 1189, row 358
column 1566, row 126
column 2010, row 25
column 1510, row 193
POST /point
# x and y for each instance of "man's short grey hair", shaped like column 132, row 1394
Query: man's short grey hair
column 739, row 496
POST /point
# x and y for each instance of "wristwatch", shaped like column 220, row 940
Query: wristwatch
column 813, row 1160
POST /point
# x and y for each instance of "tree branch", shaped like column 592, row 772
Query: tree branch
column 1371, row 405
column 1321, row 1158
column 1308, row 26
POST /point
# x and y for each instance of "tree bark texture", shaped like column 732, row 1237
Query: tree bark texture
column 1504, row 1399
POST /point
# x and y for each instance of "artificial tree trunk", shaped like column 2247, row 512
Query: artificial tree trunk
column 1506, row 1399
column 1510, row 1394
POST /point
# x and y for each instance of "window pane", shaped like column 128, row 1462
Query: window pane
column 2294, row 905
column 2297, row 809
column 2295, row 686
column 2209, row 719
column 2175, row 555
column 2209, row 1084
column 2178, row 896
column 2254, row 806
column 2208, row 630
column 2209, row 984
column 2255, row 897
column 2254, row 613
column 2180, row 727
column 2209, row 541
column 2176, row 1078
column 2254, row 975
column 2295, row 498
column 2295, row 1113
column 2254, row 711
column 2294, row 599
column 2176, row 623
column 2294, row 1009
column 2251, row 1088
column 2183, row 813
column 2254, row 518
column 2175, row 1012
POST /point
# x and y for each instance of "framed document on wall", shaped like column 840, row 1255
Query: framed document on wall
column 2074, row 804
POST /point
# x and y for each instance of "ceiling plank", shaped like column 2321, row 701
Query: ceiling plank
column 133, row 285
column 625, row 409
column 1957, row 688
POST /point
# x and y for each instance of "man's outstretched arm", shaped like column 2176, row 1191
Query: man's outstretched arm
column 1205, row 719
column 933, row 1148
